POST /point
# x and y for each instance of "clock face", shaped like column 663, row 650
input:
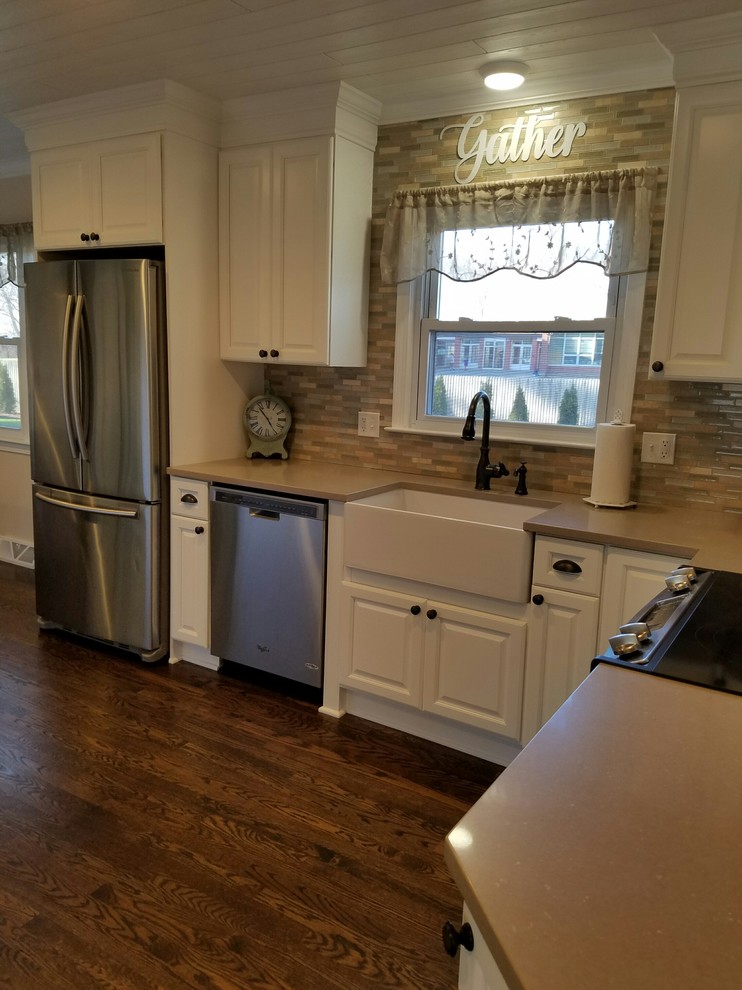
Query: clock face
column 267, row 418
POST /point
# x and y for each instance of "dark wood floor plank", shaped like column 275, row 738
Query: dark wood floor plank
column 166, row 827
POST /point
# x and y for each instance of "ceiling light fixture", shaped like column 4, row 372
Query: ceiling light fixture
column 504, row 75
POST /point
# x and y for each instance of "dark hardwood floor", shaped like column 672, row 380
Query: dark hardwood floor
column 169, row 827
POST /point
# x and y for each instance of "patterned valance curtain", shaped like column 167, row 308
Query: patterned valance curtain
column 16, row 246
column 536, row 227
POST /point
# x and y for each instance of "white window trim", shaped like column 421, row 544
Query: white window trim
column 412, row 306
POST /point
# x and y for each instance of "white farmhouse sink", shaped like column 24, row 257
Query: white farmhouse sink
column 476, row 545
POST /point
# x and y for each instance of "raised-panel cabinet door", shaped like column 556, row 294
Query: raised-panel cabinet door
column 382, row 636
column 302, row 183
column 189, row 580
column 562, row 631
column 128, row 207
column 245, row 253
column 474, row 666
column 62, row 203
column 699, row 293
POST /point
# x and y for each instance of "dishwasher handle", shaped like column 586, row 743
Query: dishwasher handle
column 264, row 514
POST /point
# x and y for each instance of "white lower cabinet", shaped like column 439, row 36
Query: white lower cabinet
column 562, row 630
column 581, row 594
column 462, row 663
column 189, row 551
column 189, row 572
column 562, row 625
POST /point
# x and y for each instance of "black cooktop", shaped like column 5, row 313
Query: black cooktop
column 695, row 635
column 707, row 649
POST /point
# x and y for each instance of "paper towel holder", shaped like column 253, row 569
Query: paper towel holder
column 595, row 499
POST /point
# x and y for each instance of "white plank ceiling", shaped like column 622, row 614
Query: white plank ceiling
column 415, row 56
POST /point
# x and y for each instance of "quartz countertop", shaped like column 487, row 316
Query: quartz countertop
column 705, row 538
column 607, row 856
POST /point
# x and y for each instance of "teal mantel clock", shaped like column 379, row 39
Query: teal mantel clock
column 267, row 421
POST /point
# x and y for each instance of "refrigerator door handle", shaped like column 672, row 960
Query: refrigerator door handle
column 66, row 378
column 75, row 370
column 128, row 513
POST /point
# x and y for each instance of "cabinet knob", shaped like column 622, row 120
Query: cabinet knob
column 84, row 237
column 274, row 353
column 198, row 530
column 262, row 353
column 415, row 609
column 190, row 499
column 431, row 613
column 657, row 366
column 567, row 566
column 538, row 599
column 94, row 236
column 452, row 938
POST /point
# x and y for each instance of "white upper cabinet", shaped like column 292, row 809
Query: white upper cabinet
column 98, row 194
column 699, row 298
column 294, row 223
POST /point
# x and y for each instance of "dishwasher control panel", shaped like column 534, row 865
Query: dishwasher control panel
column 270, row 503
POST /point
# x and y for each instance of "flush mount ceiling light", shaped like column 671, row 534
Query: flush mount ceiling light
column 504, row 75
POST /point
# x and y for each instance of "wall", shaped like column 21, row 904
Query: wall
column 624, row 130
column 15, row 466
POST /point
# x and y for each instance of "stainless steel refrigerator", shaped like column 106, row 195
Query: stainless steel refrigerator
column 98, row 387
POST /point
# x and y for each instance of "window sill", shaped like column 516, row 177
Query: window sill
column 533, row 437
column 15, row 446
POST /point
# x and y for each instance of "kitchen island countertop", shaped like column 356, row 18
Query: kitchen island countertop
column 607, row 855
column 704, row 538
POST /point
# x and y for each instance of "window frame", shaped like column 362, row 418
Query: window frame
column 410, row 371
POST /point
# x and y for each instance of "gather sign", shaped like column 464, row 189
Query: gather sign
column 529, row 137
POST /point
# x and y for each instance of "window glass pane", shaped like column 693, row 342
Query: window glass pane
column 539, row 377
column 539, row 374
column 10, row 411
column 10, row 331
column 579, row 293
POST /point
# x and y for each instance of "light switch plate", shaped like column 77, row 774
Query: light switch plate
column 658, row 448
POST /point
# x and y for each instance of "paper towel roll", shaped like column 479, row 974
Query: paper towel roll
column 614, row 448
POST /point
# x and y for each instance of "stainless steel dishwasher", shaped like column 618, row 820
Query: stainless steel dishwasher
column 268, row 582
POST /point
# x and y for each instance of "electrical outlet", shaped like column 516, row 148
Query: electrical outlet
column 368, row 424
column 658, row 448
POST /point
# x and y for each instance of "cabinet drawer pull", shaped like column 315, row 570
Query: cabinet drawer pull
column 567, row 566
column 190, row 499
column 538, row 599
column 198, row 530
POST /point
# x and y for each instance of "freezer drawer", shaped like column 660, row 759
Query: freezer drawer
column 268, row 582
column 99, row 568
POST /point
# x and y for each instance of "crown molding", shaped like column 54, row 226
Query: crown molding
column 706, row 50
column 324, row 109
column 158, row 105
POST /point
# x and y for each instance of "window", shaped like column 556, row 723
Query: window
column 544, row 349
column 15, row 247
column 556, row 268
